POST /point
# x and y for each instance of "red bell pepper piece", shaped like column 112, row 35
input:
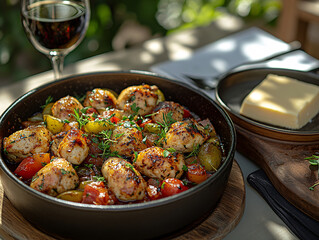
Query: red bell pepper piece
column 31, row 165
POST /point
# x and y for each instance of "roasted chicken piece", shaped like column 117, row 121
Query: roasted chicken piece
column 64, row 108
column 24, row 143
column 56, row 177
column 126, row 140
column 168, row 109
column 56, row 140
column 123, row 179
column 100, row 99
column 184, row 136
column 155, row 162
column 138, row 99
column 74, row 147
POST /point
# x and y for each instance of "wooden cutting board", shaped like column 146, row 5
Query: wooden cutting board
column 286, row 167
column 217, row 225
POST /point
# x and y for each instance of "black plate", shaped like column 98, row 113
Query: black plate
column 233, row 88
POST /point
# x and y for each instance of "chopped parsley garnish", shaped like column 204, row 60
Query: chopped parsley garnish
column 98, row 178
column 135, row 108
column 168, row 151
column 63, row 171
column 89, row 165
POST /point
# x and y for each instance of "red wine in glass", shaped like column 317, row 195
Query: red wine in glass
column 55, row 27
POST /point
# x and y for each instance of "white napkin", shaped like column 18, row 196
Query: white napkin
column 221, row 56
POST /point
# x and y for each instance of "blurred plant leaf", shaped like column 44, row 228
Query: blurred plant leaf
column 19, row 59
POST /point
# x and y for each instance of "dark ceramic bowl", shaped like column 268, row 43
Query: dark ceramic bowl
column 160, row 218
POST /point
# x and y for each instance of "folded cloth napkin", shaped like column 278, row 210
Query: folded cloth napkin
column 299, row 223
column 243, row 47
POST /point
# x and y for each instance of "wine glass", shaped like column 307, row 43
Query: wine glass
column 55, row 27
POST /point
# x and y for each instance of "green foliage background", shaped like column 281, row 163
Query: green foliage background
column 19, row 59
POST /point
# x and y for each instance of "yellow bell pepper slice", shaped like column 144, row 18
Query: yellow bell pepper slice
column 72, row 195
column 55, row 125
column 97, row 126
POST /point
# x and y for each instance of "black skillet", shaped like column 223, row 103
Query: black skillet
column 160, row 218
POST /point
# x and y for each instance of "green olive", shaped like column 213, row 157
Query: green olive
column 210, row 156
column 72, row 196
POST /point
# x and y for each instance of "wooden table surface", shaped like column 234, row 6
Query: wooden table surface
column 258, row 220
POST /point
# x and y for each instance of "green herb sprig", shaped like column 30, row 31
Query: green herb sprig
column 47, row 101
column 314, row 161
column 194, row 152
column 82, row 119
column 168, row 151
column 105, row 144
column 167, row 122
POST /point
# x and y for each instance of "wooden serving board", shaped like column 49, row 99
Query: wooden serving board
column 285, row 166
column 217, row 225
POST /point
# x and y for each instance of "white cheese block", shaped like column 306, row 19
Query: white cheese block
column 282, row 101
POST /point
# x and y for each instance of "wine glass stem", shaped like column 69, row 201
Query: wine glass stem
column 57, row 64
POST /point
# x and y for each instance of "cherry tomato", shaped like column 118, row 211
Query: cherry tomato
column 172, row 186
column 196, row 173
column 114, row 120
column 95, row 193
column 187, row 113
column 31, row 165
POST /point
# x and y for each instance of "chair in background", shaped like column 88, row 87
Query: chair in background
column 295, row 20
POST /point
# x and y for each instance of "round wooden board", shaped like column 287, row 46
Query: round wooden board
column 217, row 225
